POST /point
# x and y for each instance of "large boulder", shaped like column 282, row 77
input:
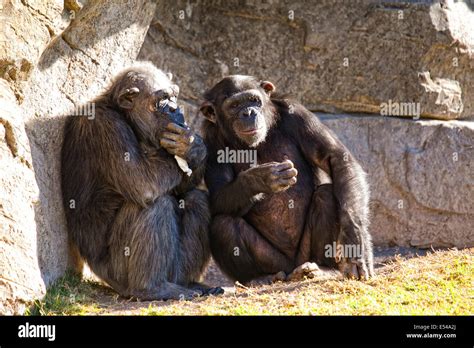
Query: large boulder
column 54, row 56
column 64, row 69
column 421, row 177
column 333, row 57
column 20, row 278
column 26, row 28
column 375, row 57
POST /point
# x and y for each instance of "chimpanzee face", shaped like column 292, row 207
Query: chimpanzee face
column 164, row 104
column 151, row 100
column 240, row 106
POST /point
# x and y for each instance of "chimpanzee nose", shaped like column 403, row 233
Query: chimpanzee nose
column 249, row 113
column 172, row 107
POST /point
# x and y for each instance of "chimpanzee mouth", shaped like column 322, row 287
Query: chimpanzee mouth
column 252, row 131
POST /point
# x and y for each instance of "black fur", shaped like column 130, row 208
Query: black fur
column 271, row 217
column 136, row 218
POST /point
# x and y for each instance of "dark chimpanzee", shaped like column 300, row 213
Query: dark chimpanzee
column 134, row 215
column 265, row 221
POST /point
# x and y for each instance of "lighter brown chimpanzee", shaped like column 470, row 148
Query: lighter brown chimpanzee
column 136, row 218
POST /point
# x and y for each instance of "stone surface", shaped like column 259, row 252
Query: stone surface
column 65, row 69
column 19, row 272
column 421, row 175
column 397, row 52
column 26, row 29
column 56, row 55
column 342, row 57
column 104, row 38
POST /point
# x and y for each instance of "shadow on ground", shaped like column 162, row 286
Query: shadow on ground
column 73, row 295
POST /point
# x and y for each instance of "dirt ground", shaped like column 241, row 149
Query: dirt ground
column 110, row 303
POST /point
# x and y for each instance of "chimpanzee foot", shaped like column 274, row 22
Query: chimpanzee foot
column 206, row 290
column 306, row 270
column 310, row 270
column 267, row 280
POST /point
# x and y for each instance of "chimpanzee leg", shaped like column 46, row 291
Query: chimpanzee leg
column 144, row 252
column 194, row 236
column 324, row 243
column 242, row 252
column 321, row 229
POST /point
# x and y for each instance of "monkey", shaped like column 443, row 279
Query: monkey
column 136, row 218
column 294, row 212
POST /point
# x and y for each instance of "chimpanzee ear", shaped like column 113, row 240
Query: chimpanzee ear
column 268, row 87
column 208, row 111
column 126, row 96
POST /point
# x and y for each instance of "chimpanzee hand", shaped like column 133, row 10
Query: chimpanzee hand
column 271, row 177
column 354, row 268
column 351, row 255
column 180, row 141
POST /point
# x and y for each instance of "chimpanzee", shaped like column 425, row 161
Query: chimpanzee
column 135, row 216
column 304, row 204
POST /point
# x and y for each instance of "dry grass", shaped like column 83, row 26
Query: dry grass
column 439, row 283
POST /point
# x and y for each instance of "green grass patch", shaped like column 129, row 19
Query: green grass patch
column 440, row 283
column 70, row 295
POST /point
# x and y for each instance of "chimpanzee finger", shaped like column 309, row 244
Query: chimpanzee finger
column 281, row 188
column 363, row 271
column 284, row 184
column 284, row 165
column 349, row 269
column 354, row 271
column 269, row 165
column 344, row 268
column 175, row 128
column 173, row 136
column 168, row 143
column 288, row 182
column 287, row 174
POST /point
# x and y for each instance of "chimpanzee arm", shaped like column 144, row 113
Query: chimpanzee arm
column 322, row 149
column 196, row 160
column 133, row 174
column 229, row 194
column 236, row 194
column 196, row 156
column 180, row 141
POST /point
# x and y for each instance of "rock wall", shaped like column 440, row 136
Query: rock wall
column 345, row 60
column 52, row 59
column 352, row 59
column 421, row 177
column 349, row 56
